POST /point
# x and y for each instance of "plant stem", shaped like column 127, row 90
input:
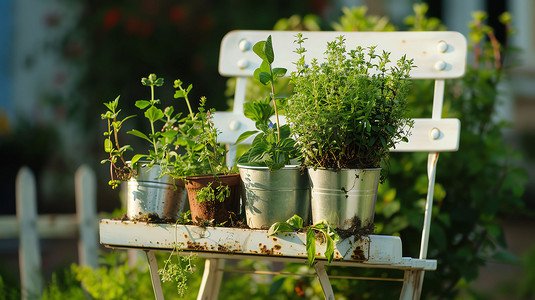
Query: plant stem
column 187, row 101
column 275, row 105
column 152, row 123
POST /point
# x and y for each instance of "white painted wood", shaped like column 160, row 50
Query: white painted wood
column 421, row 46
column 218, row 242
column 324, row 280
column 438, row 99
column 432, row 160
column 154, row 276
column 420, row 139
column 232, row 240
column 211, row 280
column 29, row 254
column 86, row 211
column 48, row 226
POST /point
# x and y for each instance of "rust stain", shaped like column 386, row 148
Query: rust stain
column 358, row 254
column 277, row 247
column 222, row 248
column 194, row 246
column 274, row 239
column 265, row 250
column 403, row 41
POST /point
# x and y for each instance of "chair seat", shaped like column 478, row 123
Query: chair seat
column 234, row 243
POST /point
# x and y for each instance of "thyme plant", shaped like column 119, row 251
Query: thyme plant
column 348, row 111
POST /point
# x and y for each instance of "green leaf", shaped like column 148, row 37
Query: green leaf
column 108, row 145
column 279, row 72
column 264, row 78
column 295, row 221
column 311, row 246
column 198, row 147
column 139, row 134
column 125, row 147
column 245, row 135
column 136, row 158
column 258, row 48
column 142, row 104
column 329, row 250
column 268, row 50
column 154, row 114
column 281, row 227
column 264, row 68
column 179, row 94
column 169, row 133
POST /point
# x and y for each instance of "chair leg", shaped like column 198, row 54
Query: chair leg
column 155, row 277
column 211, row 279
column 324, row 280
column 411, row 285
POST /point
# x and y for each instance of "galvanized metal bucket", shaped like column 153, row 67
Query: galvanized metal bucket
column 344, row 196
column 274, row 196
column 146, row 193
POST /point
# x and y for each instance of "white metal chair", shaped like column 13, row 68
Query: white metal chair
column 437, row 55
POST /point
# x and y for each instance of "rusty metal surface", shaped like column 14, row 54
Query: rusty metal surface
column 374, row 250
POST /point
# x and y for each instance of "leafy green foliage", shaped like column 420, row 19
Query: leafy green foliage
column 357, row 19
column 112, row 146
column 201, row 153
column 208, row 193
column 348, row 111
column 273, row 146
column 159, row 139
column 327, row 235
column 178, row 271
column 116, row 279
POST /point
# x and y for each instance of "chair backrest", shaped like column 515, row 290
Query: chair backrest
column 437, row 55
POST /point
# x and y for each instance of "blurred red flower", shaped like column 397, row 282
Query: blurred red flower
column 111, row 18
column 177, row 13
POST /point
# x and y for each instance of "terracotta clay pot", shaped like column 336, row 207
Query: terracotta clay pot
column 214, row 210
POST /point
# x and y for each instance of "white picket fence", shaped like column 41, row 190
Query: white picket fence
column 30, row 227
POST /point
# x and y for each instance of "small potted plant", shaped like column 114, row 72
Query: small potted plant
column 213, row 188
column 150, row 191
column 347, row 112
column 274, row 190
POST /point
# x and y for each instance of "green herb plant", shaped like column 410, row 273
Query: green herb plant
column 160, row 140
column 348, row 111
column 160, row 137
column 202, row 153
column 112, row 146
column 178, row 269
column 272, row 146
column 321, row 231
